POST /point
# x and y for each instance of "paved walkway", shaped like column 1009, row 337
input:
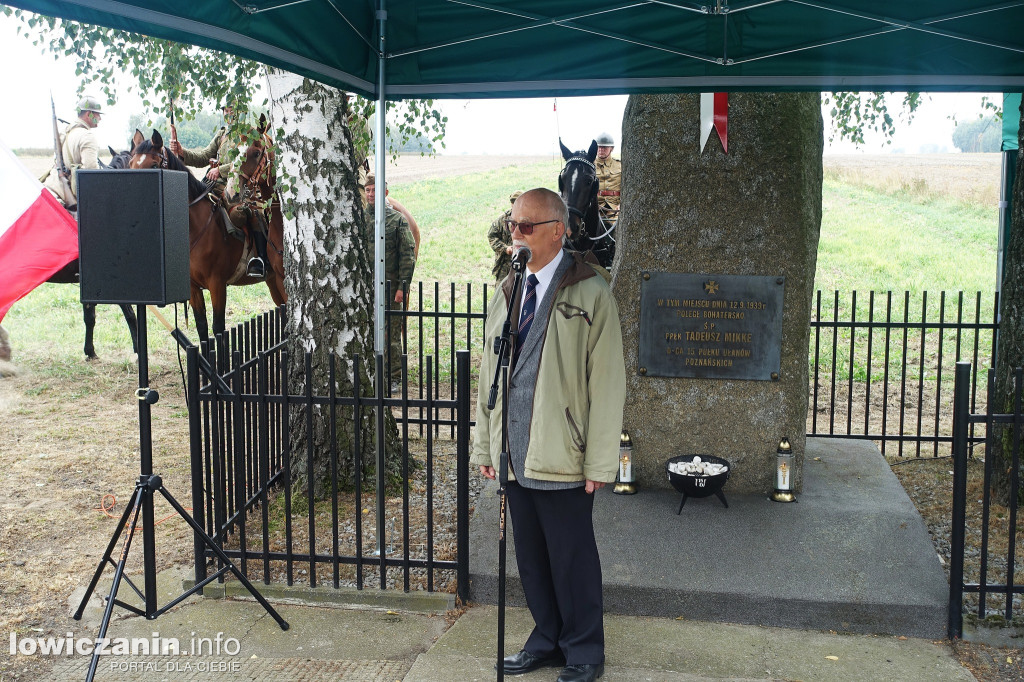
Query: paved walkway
column 640, row 649
column 386, row 645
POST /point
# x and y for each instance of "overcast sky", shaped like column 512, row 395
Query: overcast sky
column 523, row 126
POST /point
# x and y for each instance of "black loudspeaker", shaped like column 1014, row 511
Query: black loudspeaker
column 133, row 236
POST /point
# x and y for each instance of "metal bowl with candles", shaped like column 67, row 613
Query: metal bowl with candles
column 698, row 476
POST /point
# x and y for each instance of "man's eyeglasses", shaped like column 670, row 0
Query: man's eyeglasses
column 526, row 228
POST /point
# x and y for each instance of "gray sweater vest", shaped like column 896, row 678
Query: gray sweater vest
column 522, row 383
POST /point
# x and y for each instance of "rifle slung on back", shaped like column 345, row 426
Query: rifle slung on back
column 68, row 196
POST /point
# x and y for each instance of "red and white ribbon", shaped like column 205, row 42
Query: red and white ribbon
column 714, row 114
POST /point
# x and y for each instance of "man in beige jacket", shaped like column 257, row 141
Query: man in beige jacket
column 566, row 390
column 609, row 178
column 79, row 148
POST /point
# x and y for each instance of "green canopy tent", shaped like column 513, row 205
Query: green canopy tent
column 511, row 48
column 396, row 49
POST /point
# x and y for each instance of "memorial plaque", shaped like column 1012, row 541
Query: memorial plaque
column 710, row 326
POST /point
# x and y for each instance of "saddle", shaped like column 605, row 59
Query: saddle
column 235, row 226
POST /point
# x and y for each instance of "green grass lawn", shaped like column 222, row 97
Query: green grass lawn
column 876, row 241
column 870, row 240
column 455, row 213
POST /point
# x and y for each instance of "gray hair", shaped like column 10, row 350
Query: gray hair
column 557, row 204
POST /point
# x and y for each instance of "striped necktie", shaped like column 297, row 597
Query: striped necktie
column 528, row 309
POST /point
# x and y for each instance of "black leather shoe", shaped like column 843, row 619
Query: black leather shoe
column 524, row 662
column 581, row 672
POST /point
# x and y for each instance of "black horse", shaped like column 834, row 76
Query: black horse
column 578, row 186
column 118, row 160
column 69, row 275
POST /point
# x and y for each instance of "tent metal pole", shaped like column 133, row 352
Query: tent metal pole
column 379, row 304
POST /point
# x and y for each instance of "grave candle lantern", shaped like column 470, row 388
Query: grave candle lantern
column 625, row 481
column 784, row 473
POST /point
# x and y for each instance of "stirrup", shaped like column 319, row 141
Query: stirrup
column 256, row 268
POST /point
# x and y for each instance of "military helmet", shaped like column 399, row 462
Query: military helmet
column 515, row 195
column 605, row 140
column 90, row 103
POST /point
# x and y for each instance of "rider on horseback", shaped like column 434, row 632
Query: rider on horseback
column 78, row 147
column 609, row 175
column 217, row 156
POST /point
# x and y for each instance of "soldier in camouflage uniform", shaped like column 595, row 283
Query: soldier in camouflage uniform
column 78, row 147
column 218, row 157
column 609, row 177
column 501, row 241
column 399, row 264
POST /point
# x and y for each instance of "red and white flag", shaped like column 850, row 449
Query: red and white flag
column 37, row 236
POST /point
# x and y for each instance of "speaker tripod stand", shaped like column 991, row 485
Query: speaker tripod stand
column 141, row 502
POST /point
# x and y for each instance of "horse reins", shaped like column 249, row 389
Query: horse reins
column 251, row 181
column 572, row 209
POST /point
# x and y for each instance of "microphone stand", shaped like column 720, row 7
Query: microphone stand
column 504, row 343
column 503, row 346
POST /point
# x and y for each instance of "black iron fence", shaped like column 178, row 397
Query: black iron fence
column 244, row 423
column 881, row 366
column 983, row 573
column 438, row 321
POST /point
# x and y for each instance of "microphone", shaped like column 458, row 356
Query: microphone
column 520, row 257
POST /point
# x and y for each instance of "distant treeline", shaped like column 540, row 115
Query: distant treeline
column 983, row 134
column 191, row 134
column 33, row 151
column 198, row 132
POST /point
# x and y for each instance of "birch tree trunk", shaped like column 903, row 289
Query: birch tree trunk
column 1010, row 347
column 328, row 278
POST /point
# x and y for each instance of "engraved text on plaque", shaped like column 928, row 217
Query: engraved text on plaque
column 711, row 326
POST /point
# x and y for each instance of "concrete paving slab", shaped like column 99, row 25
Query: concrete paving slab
column 669, row 650
column 851, row 555
column 229, row 639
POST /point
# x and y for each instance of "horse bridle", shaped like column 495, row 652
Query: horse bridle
column 573, row 211
column 251, row 182
column 262, row 164
column 160, row 155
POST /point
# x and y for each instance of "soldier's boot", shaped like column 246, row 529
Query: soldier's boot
column 257, row 266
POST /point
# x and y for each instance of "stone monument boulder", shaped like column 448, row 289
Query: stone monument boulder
column 754, row 212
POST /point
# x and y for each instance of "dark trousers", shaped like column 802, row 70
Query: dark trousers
column 560, row 570
column 394, row 330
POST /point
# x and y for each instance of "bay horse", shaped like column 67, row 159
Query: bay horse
column 69, row 274
column 216, row 259
column 258, row 186
column 578, row 185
